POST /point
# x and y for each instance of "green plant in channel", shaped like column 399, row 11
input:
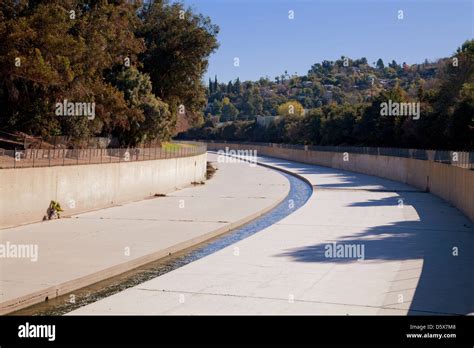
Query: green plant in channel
column 54, row 210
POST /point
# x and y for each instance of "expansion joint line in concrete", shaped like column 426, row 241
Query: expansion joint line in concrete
column 295, row 300
column 364, row 190
column 157, row 220
column 385, row 227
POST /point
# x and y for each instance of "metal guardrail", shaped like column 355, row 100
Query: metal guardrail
column 32, row 158
column 461, row 159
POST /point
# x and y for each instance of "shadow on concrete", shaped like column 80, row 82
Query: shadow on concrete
column 342, row 179
column 446, row 282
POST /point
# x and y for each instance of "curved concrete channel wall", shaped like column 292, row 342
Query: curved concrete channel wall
column 453, row 184
column 25, row 193
column 149, row 230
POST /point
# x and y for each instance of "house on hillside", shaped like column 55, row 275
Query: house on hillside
column 265, row 121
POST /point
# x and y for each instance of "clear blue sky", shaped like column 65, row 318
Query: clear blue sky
column 268, row 43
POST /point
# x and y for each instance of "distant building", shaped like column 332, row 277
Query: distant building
column 327, row 95
column 384, row 82
column 266, row 92
column 265, row 121
column 294, row 90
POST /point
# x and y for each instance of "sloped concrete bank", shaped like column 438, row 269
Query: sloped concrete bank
column 451, row 183
column 25, row 193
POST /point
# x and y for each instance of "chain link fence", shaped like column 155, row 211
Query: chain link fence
column 27, row 158
column 461, row 159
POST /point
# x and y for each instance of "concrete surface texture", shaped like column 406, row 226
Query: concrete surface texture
column 453, row 184
column 417, row 258
column 25, row 193
column 78, row 251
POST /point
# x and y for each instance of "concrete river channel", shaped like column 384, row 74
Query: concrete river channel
column 299, row 193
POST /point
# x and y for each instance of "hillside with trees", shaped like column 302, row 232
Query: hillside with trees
column 339, row 102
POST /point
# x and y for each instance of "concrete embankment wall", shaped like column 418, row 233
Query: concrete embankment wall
column 453, row 184
column 25, row 193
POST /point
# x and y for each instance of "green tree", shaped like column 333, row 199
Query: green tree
column 210, row 89
column 380, row 65
column 216, row 85
column 46, row 57
column 237, row 86
column 178, row 44
column 156, row 122
column 229, row 111
column 216, row 108
column 454, row 102
column 229, row 87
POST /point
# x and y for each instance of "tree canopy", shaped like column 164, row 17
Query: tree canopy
column 80, row 51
